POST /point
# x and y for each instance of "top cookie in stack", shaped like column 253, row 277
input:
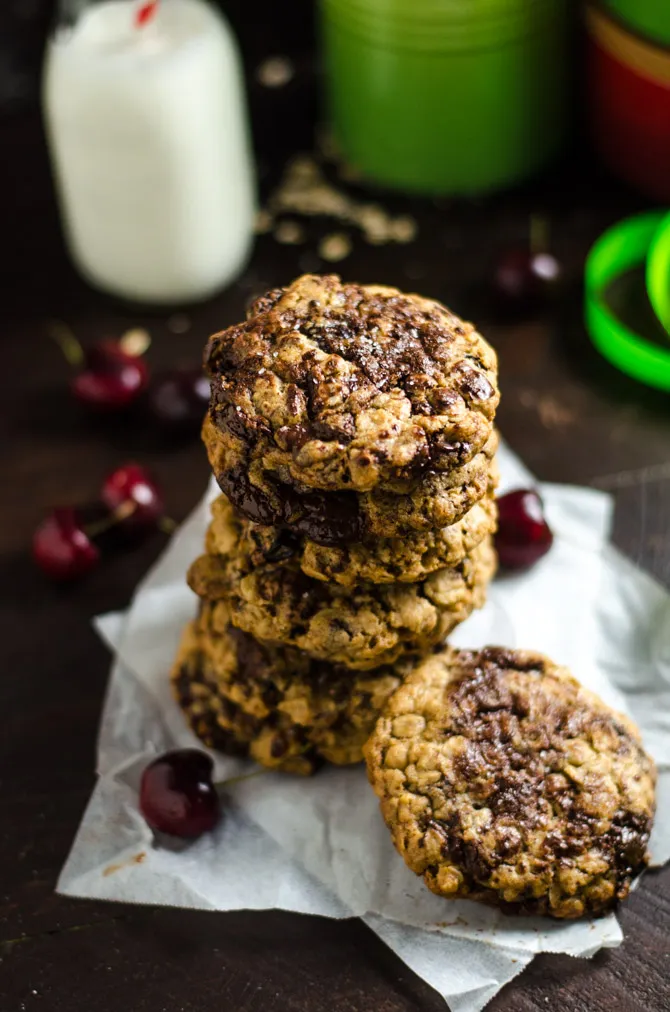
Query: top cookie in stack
column 352, row 387
column 332, row 388
column 351, row 429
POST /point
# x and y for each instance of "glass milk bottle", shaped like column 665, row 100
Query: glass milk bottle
column 146, row 123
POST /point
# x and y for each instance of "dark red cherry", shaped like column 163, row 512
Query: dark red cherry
column 110, row 378
column 61, row 546
column 523, row 280
column 177, row 795
column 133, row 498
column 523, row 535
column 178, row 400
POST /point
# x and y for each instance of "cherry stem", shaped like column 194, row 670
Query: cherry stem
column 135, row 342
column 539, row 233
column 68, row 343
column 222, row 784
column 124, row 510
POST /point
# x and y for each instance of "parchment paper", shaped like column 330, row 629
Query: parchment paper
column 318, row 845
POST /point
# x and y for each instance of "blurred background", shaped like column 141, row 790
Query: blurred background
column 564, row 76
column 28, row 194
column 472, row 150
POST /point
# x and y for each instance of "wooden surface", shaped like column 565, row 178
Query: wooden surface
column 569, row 416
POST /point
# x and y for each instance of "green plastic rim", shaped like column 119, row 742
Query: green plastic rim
column 650, row 18
column 658, row 272
column 618, row 250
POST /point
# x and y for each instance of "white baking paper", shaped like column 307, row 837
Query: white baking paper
column 318, row 845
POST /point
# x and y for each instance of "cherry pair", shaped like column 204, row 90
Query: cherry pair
column 66, row 544
column 112, row 375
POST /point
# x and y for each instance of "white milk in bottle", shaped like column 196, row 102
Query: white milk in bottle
column 146, row 122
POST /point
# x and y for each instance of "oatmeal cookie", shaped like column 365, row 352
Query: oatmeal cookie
column 281, row 707
column 437, row 500
column 350, row 387
column 362, row 627
column 502, row 779
column 222, row 725
column 380, row 560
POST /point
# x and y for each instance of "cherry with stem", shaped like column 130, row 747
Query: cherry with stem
column 178, row 796
column 110, row 375
column 67, row 543
column 525, row 277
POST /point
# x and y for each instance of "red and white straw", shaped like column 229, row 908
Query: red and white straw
column 145, row 12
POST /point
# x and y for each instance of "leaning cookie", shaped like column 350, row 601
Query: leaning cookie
column 361, row 627
column 281, row 707
column 351, row 386
column 504, row 780
column 268, row 497
column 377, row 560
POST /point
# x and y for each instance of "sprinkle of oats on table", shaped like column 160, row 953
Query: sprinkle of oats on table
column 275, row 72
column 335, row 246
column 263, row 222
column 289, row 233
column 403, row 229
column 305, row 191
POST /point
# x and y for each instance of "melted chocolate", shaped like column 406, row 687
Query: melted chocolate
column 285, row 546
column 250, row 500
column 513, row 763
column 327, row 519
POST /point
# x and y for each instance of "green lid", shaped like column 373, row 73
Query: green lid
column 618, row 250
column 658, row 272
column 648, row 17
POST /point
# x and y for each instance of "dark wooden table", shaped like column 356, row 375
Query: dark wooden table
column 569, row 416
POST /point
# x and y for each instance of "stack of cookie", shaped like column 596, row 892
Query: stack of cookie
column 351, row 430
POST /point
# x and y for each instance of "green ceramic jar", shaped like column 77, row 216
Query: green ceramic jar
column 446, row 96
